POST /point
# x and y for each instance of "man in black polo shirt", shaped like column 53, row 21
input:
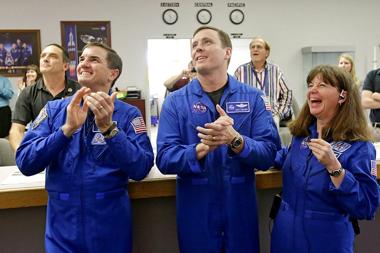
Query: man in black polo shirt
column 53, row 85
column 371, row 98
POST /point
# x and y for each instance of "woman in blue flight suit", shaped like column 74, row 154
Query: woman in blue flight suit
column 329, row 170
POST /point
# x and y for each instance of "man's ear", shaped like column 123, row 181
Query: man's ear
column 114, row 74
column 228, row 52
column 66, row 66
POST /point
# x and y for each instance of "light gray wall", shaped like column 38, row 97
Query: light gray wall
column 289, row 25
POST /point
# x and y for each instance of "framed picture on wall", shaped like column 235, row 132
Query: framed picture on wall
column 18, row 49
column 76, row 34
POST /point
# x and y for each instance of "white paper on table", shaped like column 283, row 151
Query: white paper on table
column 17, row 179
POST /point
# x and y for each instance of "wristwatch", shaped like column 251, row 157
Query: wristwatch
column 335, row 173
column 236, row 142
column 111, row 131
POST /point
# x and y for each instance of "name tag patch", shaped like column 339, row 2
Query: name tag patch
column 238, row 107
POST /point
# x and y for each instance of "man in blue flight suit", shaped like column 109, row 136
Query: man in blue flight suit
column 90, row 145
column 26, row 53
column 213, row 133
column 16, row 54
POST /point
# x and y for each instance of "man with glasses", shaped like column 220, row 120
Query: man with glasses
column 268, row 78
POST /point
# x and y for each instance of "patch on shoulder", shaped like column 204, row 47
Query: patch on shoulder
column 138, row 125
column 41, row 117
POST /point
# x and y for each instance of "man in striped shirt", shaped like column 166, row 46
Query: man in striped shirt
column 267, row 77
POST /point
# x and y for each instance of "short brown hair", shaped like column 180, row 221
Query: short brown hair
column 113, row 59
column 350, row 123
column 223, row 36
column 65, row 54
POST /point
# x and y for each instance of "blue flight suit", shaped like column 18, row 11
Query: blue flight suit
column 314, row 214
column 16, row 56
column 3, row 54
column 26, row 53
column 86, row 177
column 216, row 198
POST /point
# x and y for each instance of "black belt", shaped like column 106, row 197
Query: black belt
column 376, row 124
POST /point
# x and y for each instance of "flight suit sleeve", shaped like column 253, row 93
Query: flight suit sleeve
column 40, row 144
column 131, row 147
column 280, row 157
column 6, row 91
column 173, row 155
column 358, row 193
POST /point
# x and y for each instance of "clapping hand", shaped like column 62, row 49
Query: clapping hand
column 102, row 105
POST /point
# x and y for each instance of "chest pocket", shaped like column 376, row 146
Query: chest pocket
column 99, row 152
column 97, row 146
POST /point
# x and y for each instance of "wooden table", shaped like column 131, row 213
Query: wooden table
column 154, row 185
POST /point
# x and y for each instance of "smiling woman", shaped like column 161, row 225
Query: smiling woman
column 336, row 168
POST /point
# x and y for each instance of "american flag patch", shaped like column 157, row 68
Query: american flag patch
column 373, row 168
column 139, row 125
column 267, row 103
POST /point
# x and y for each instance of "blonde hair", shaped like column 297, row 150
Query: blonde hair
column 349, row 123
column 349, row 58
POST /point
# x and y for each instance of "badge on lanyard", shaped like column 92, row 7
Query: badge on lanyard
column 199, row 108
column 238, row 107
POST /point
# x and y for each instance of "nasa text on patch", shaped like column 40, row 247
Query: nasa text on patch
column 199, row 108
column 237, row 107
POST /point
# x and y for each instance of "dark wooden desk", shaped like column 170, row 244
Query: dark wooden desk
column 139, row 103
column 155, row 185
